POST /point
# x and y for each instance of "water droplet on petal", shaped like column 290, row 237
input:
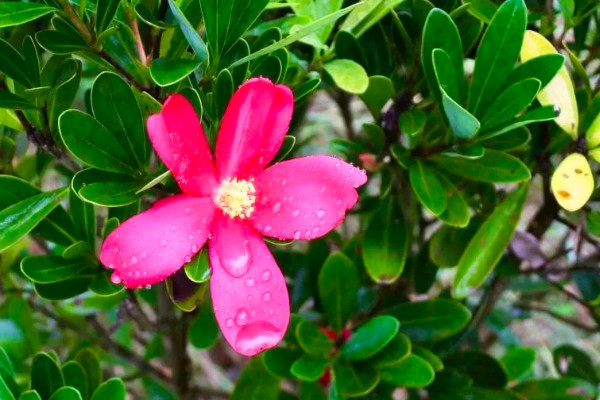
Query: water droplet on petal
column 194, row 248
column 250, row 282
column 241, row 318
column 267, row 297
column 268, row 228
column 147, row 287
column 265, row 276
column 295, row 213
column 297, row 235
column 115, row 278
column 271, row 311
column 229, row 323
column 111, row 266
column 321, row 213
column 276, row 208
column 235, row 258
column 256, row 337
column 191, row 237
column 187, row 210
column 134, row 260
column 163, row 243
column 115, row 249
column 143, row 254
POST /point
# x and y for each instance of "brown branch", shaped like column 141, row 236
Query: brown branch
column 575, row 323
column 133, row 23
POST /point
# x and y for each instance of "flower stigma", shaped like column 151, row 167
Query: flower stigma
column 236, row 197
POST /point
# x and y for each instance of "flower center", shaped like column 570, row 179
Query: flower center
column 236, row 198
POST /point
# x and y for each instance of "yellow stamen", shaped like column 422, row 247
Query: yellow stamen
column 236, row 198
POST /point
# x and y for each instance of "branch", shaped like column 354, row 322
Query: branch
column 575, row 323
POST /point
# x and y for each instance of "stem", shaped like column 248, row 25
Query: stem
column 572, row 322
column 138, row 38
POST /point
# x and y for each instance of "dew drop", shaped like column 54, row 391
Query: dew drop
column 253, row 313
column 172, row 227
column 276, row 208
column 235, row 259
column 307, row 234
column 191, row 237
column 321, row 213
column 265, row 276
column 115, row 249
column 268, row 228
column 115, row 278
column 295, row 213
column 271, row 311
column 111, row 266
column 137, row 274
column 194, row 248
column 187, row 210
column 241, row 318
column 134, row 260
column 297, row 235
column 267, row 297
column 250, row 282
column 229, row 323
column 187, row 259
column 143, row 255
column 163, row 243
column 147, row 287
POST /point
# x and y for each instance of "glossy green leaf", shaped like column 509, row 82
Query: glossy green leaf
column 113, row 389
column 198, row 270
column 367, row 14
column 13, row 64
column 168, row 72
column 7, row 372
column 204, row 331
column 394, row 352
column 518, row 361
column 90, row 362
column 427, row 187
column 448, row 244
column 481, row 367
column 30, row 395
column 64, row 289
column 17, row 13
column 190, row 33
column 338, row 289
column 280, row 360
column 412, row 372
column 12, row 101
column 64, row 91
column 378, row 93
column 566, row 388
column 106, row 189
column 256, row 383
column 354, row 380
column 308, row 368
column 542, row 68
column 509, row 140
column 227, row 21
column 58, row 42
column 5, row 393
column 20, row 218
column 313, row 340
column 66, row 393
column 370, row 338
column 348, row 75
column 90, row 142
column 540, row 114
column 305, row 88
column 315, row 9
column 105, row 12
column 440, row 32
column 494, row 166
column 497, row 54
column 431, row 320
column 511, row 102
column 429, row 356
column 49, row 269
column 46, row 377
column 574, row 362
column 488, row 244
column 75, row 376
column 385, row 244
column 102, row 286
column 457, row 210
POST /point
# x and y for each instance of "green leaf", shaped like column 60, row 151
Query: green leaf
column 105, row 12
column 204, row 331
column 440, row 32
column 412, row 372
column 223, row 91
column 457, row 210
column 49, row 269
column 481, row 367
column 66, row 393
column 88, row 359
column 286, row 148
column 354, row 380
column 5, row 393
column 102, row 286
column 430, row 357
column 497, row 54
column 13, row 64
column 46, row 377
column 12, row 101
column 427, row 187
column 315, row 9
column 379, row 91
column 30, row 395
column 312, row 339
column 566, row 388
column 17, row 13
column 116, row 108
column 511, row 102
column 256, row 383
column 571, row 361
column 367, row 14
column 7, row 372
column 308, row 368
column 488, row 244
column 305, row 88
column 168, row 72
column 494, row 166
column 385, row 244
column 507, row 141
column 75, row 376
column 112, row 389
column 106, row 189
column 482, row 9
column 64, row 90
column 518, row 361
column 370, row 338
column 412, row 122
column 20, row 218
column 293, row 37
column 64, row 289
column 227, row 21
column 448, row 244
column 542, row 68
column 280, row 360
column 90, row 142
column 540, row 114
column 394, row 352
column 190, row 33
column 348, row 75
column 198, row 270
column 431, row 320
column 58, row 42
column 338, row 289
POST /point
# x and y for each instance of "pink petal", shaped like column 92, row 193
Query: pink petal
column 252, row 308
column 179, row 141
column 306, row 197
column 153, row 245
column 254, row 125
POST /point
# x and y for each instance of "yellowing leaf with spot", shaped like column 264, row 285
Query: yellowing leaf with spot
column 592, row 136
column 559, row 92
column 572, row 182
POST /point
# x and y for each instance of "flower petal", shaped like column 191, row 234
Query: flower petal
column 254, row 125
column 306, row 197
column 252, row 309
column 179, row 141
column 153, row 245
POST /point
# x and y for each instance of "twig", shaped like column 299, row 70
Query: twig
column 575, row 323
column 138, row 38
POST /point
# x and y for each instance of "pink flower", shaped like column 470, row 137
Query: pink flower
column 231, row 203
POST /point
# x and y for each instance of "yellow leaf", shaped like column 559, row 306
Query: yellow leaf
column 559, row 92
column 595, row 154
column 592, row 136
column 572, row 182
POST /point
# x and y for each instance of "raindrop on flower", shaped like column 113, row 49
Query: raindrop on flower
column 266, row 296
column 265, row 276
column 250, row 282
column 241, row 318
